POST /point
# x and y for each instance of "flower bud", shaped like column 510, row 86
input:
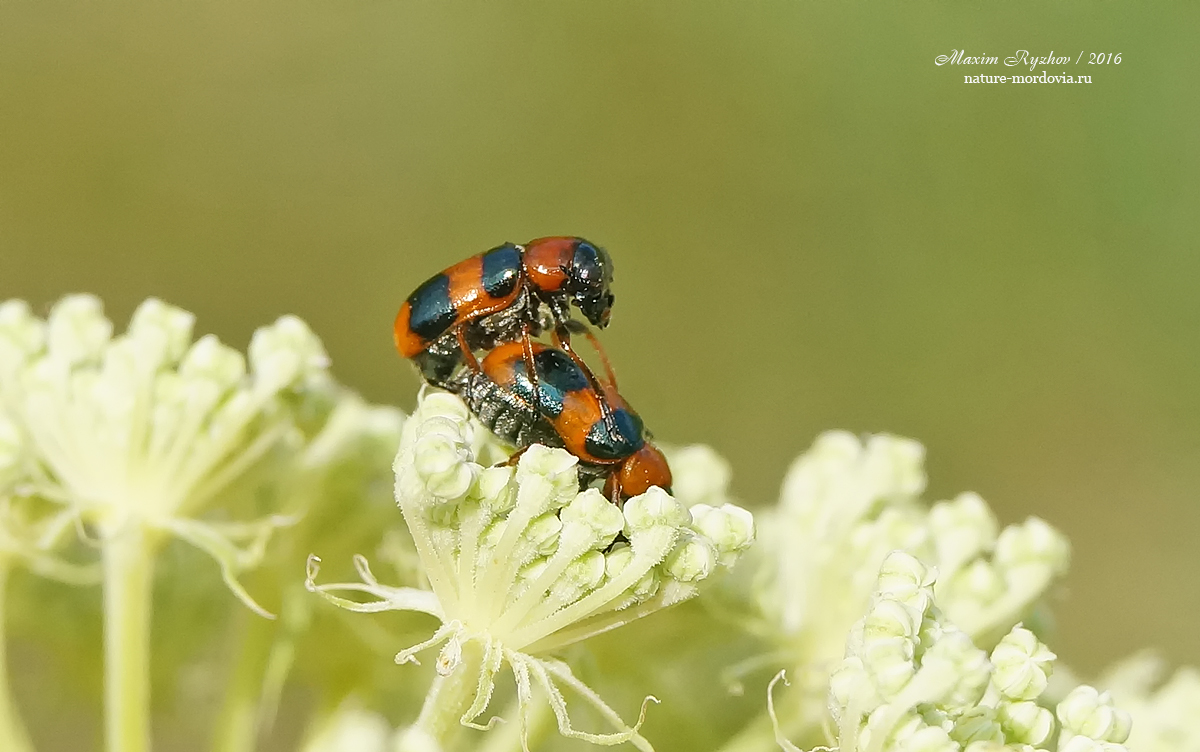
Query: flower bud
column 890, row 618
column 554, row 467
column 285, row 353
column 596, row 514
column 444, row 466
column 955, row 654
column 1026, row 722
column 532, row 571
column 543, row 533
column 162, row 327
column 911, row 734
column 699, row 475
column 977, row 724
column 22, row 337
column 889, row 663
column 970, row 590
column 213, row 362
column 615, row 562
column 895, row 463
column 495, row 490
column 1089, row 712
column 729, row 527
column 903, row 578
column 1033, row 543
column 1022, row 665
column 76, row 330
column 693, row 559
column 442, row 404
column 580, row 576
column 850, row 684
column 962, row 530
column 1087, row 744
column 495, row 531
column 654, row 508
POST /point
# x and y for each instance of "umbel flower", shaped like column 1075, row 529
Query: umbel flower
column 132, row 437
column 521, row 563
column 845, row 505
column 912, row 681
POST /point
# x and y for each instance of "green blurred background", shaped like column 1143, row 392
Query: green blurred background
column 814, row 226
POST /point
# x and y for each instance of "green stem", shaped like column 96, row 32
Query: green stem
column 13, row 735
column 448, row 698
column 128, row 561
column 238, row 723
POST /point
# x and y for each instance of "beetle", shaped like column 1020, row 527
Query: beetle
column 500, row 296
column 560, row 406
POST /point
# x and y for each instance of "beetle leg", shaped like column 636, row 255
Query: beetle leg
column 612, row 487
column 562, row 339
column 531, row 366
column 515, row 458
column 469, row 356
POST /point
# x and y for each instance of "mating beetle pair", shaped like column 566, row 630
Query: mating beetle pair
column 524, row 391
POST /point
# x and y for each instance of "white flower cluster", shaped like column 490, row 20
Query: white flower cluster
column 912, row 681
column 847, row 503
column 521, row 562
column 145, row 429
column 1165, row 710
column 28, row 531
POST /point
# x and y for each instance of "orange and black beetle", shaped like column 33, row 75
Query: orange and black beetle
column 497, row 297
column 560, row 406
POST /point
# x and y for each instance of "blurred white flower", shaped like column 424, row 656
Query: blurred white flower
column 1164, row 709
column 136, row 434
column 911, row 680
column 31, row 529
column 846, row 505
column 521, row 563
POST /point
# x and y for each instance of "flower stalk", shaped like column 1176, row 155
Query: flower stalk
column 448, row 699
column 13, row 735
column 128, row 566
column 237, row 726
